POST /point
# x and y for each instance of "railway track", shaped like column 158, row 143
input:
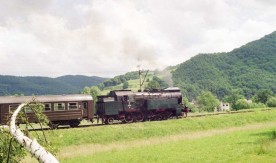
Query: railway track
column 119, row 123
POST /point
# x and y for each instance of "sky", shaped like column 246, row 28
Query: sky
column 111, row 37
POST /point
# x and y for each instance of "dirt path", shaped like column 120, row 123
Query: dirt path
column 90, row 149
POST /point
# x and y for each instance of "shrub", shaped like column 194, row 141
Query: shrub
column 242, row 104
column 10, row 150
column 207, row 101
column 257, row 105
column 271, row 102
column 125, row 85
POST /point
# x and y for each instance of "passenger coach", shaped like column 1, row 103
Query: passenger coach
column 60, row 109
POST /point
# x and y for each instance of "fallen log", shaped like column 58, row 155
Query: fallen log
column 31, row 145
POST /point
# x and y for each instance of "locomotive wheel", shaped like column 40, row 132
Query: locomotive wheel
column 74, row 124
column 150, row 115
column 103, row 120
column 139, row 117
column 165, row 116
column 170, row 115
column 158, row 117
column 110, row 120
column 122, row 119
column 129, row 118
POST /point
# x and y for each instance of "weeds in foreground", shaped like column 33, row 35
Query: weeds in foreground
column 267, row 145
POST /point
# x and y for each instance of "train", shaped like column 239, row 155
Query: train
column 123, row 106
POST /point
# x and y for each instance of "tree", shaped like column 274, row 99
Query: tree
column 233, row 98
column 11, row 150
column 242, row 104
column 263, row 95
column 153, row 85
column 125, row 85
column 161, row 82
column 40, row 153
column 191, row 106
column 93, row 91
column 271, row 102
column 207, row 101
column 101, row 86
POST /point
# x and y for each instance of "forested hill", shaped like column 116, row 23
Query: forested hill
column 250, row 68
column 10, row 85
column 80, row 81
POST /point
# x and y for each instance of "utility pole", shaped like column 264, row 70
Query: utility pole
column 139, row 72
column 140, row 77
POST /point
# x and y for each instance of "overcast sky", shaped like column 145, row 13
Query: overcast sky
column 110, row 37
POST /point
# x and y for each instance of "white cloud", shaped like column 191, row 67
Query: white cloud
column 108, row 38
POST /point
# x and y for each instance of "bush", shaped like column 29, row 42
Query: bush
column 9, row 148
column 242, row 104
column 207, row 101
column 191, row 106
column 257, row 105
column 125, row 85
column 271, row 102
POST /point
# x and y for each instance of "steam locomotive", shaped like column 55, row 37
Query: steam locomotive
column 121, row 105
column 127, row 106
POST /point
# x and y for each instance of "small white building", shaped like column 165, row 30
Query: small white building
column 223, row 107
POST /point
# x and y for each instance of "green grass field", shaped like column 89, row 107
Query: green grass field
column 245, row 137
column 250, row 145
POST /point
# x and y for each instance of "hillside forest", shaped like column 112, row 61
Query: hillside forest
column 244, row 78
column 249, row 69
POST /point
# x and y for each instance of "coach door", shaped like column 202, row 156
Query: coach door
column 85, row 108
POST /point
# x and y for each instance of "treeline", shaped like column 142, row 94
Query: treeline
column 119, row 79
column 208, row 102
column 249, row 69
column 11, row 85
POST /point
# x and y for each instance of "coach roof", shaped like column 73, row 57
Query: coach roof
column 45, row 98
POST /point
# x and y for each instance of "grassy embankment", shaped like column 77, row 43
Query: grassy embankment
column 224, row 138
column 133, row 85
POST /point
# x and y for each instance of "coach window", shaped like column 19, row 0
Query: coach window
column 59, row 106
column 13, row 108
column 47, row 107
column 72, row 106
column 28, row 109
